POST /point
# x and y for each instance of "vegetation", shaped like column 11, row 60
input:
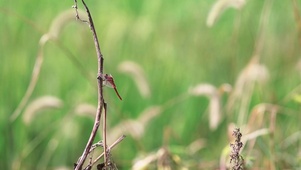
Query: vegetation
column 186, row 82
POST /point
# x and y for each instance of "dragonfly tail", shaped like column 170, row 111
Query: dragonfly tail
column 117, row 93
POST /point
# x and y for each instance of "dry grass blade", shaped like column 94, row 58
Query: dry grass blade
column 31, row 86
column 203, row 89
column 56, row 27
column 38, row 105
column 219, row 7
column 137, row 74
column 149, row 113
column 85, row 109
column 215, row 112
column 144, row 163
column 137, row 127
column 252, row 73
column 240, row 97
column 61, row 21
column 195, row 146
column 214, row 106
column 255, row 134
column 62, row 168
column 164, row 161
column 251, row 139
column 256, row 119
column 163, row 158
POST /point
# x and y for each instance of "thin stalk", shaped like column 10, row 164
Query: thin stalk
column 99, row 84
column 104, row 135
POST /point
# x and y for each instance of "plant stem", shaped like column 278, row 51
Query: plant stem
column 99, row 83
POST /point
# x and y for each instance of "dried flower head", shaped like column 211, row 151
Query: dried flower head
column 235, row 158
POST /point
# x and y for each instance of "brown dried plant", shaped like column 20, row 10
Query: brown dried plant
column 235, row 158
column 101, row 104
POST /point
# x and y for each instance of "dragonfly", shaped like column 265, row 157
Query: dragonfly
column 109, row 82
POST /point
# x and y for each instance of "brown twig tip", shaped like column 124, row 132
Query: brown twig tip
column 235, row 157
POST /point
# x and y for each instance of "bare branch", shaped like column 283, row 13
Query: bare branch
column 99, row 83
column 111, row 147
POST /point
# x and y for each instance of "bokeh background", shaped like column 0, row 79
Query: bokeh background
column 189, row 72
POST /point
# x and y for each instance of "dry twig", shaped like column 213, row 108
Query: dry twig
column 101, row 104
column 82, row 159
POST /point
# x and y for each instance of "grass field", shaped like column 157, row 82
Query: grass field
column 185, row 85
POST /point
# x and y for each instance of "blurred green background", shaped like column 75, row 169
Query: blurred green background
column 174, row 51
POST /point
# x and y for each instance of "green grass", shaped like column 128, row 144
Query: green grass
column 171, row 42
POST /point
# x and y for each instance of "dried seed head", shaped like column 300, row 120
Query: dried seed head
column 38, row 105
column 137, row 74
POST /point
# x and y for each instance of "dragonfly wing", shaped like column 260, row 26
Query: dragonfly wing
column 108, row 84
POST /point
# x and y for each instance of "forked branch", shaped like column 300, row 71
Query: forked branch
column 82, row 159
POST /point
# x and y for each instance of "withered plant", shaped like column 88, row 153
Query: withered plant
column 102, row 105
